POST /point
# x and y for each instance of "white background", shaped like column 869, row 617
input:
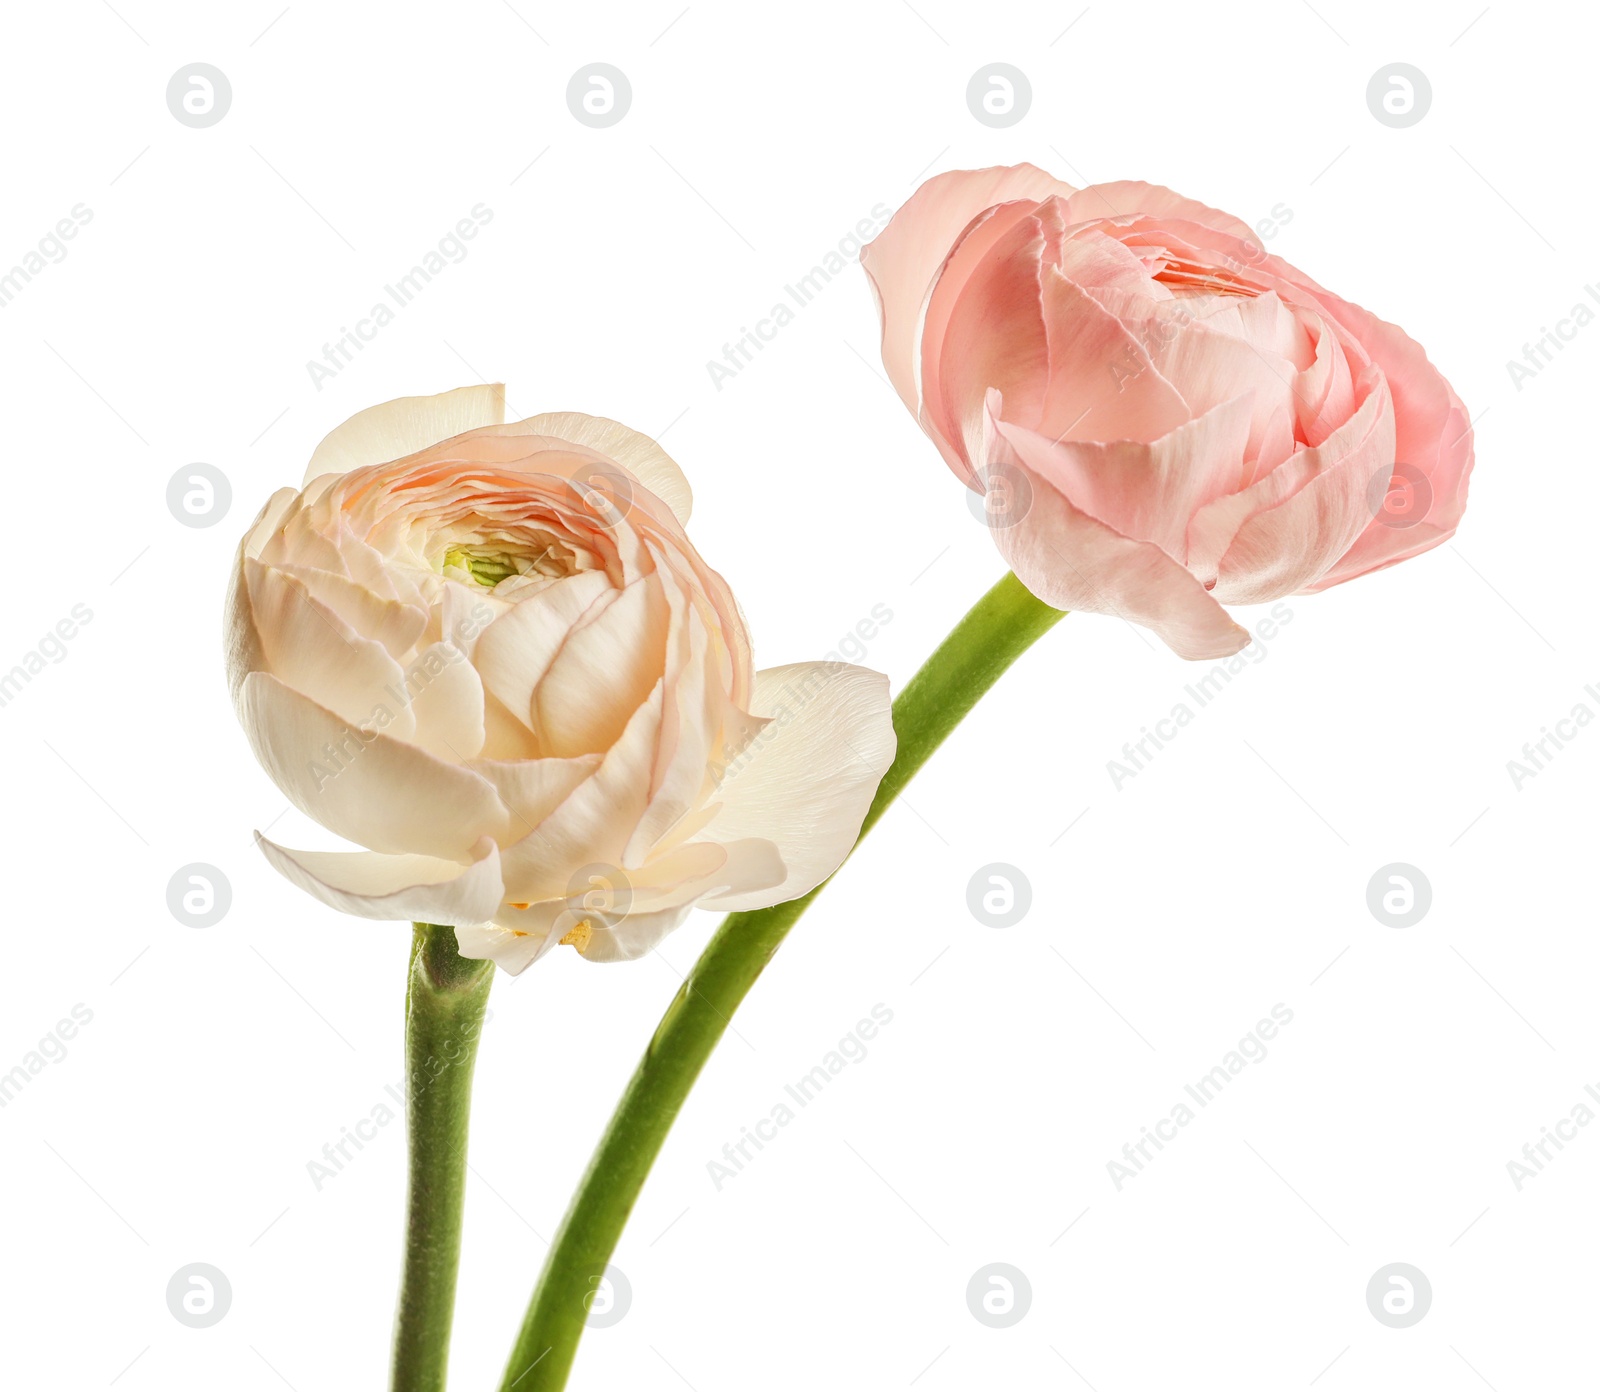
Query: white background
column 1227, row 877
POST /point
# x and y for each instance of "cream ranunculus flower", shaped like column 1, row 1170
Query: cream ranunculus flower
column 489, row 654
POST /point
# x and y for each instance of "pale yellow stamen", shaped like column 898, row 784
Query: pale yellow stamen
column 579, row 936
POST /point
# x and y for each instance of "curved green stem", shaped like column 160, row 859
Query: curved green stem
column 445, row 1000
column 997, row 630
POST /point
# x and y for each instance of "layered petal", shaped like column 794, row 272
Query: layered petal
column 1191, row 420
column 902, row 260
column 806, row 780
column 404, row 426
column 1070, row 560
column 490, row 655
column 363, row 784
column 414, row 888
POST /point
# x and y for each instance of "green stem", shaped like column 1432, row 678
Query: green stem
column 445, row 1001
column 997, row 630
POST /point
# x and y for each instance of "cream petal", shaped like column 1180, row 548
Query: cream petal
column 348, row 779
column 593, row 824
column 416, row 888
column 513, row 951
column 636, row 452
column 395, row 624
column 313, row 650
column 515, row 651
column 446, row 699
column 604, row 669
column 403, row 426
column 807, row 779
column 630, row 938
column 534, row 788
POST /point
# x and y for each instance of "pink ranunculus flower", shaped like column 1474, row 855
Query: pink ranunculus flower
column 1165, row 418
column 490, row 654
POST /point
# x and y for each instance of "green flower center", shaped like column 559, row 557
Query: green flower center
column 488, row 568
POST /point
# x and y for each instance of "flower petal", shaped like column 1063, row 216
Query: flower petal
column 346, row 778
column 636, row 452
column 606, row 667
column 903, row 259
column 807, row 779
column 418, row 888
column 1071, row 560
column 404, row 426
column 311, row 649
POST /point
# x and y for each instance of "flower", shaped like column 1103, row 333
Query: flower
column 499, row 664
column 1164, row 418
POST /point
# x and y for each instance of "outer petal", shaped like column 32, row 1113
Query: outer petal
column 807, row 779
column 1148, row 492
column 513, row 950
column 903, row 259
column 1287, row 547
column 510, row 950
column 1128, row 197
column 404, row 426
column 355, row 790
column 636, row 452
column 1072, row 561
column 312, row 650
column 1433, row 433
column 418, row 888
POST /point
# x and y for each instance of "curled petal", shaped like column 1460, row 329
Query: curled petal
column 417, row 888
column 349, row 778
column 404, row 426
column 807, row 778
column 903, row 259
column 634, row 451
column 1070, row 560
